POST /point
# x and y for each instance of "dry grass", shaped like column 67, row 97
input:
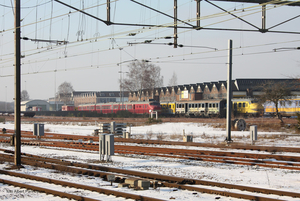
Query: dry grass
column 139, row 136
column 203, row 136
column 47, row 130
column 149, row 135
column 2, row 119
column 160, row 136
column 175, row 136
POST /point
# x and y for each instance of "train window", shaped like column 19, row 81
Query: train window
column 190, row 105
column 244, row 104
column 129, row 107
column 169, row 106
column 240, row 104
column 203, row 105
column 217, row 104
column 210, row 105
column 214, row 105
column 193, row 105
column 115, row 107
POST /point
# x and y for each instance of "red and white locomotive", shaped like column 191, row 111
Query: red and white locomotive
column 67, row 108
column 133, row 107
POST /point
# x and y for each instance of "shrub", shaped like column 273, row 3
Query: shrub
column 2, row 119
column 153, row 121
column 298, row 123
column 149, row 135
column 160, row 136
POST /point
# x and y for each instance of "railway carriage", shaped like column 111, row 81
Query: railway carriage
column 68, row 108
column 202, row 108
column 212, row 108
column 286, row 108
column 87, row 107
column 133, row 107
column 247, row 107
column 168, row 108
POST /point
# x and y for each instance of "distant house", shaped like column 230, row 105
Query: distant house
column 35, row 105
column 55, row 104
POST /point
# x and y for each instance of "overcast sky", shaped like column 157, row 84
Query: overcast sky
column 89, row 60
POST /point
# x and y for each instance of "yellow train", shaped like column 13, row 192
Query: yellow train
column 247, row 107
column 212, row 107
column 168, row 108
column 286, row 108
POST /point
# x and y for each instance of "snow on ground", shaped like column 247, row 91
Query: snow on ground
column 280, row 179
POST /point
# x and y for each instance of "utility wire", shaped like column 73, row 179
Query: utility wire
column 25, row 7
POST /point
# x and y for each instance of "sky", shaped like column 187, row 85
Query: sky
column 89, row 61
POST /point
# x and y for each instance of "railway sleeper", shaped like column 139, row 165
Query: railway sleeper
column 176, row 179
column 46, row 191
column 79, row 186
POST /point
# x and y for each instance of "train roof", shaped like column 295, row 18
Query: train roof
column 119, row 103
column 202, row 101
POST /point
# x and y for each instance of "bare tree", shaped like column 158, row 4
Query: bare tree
column 142, row 75
column 173, row 80
column 65, row 92
column 273, row 92
column 24, row 95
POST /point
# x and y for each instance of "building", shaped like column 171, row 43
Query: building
column 241, row 88
column 35, row 105
column 55, row 104
column 87, row 97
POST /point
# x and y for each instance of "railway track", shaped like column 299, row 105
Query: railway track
column 54, row 136
column 70, row 185
column 238, row 158
column 244, row 192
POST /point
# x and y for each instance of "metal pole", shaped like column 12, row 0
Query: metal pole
column 17, row 158
column 5, row 98
column 175, row 23
column 198, row 13
column 108, row 10
column 122, row 91
column 263, row 17
column 229, row 93
column 121, row 78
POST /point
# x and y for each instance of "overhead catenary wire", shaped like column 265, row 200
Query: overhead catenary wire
column 25, row 7
column 91, row 67
column 159, row 60
column 79, row 54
